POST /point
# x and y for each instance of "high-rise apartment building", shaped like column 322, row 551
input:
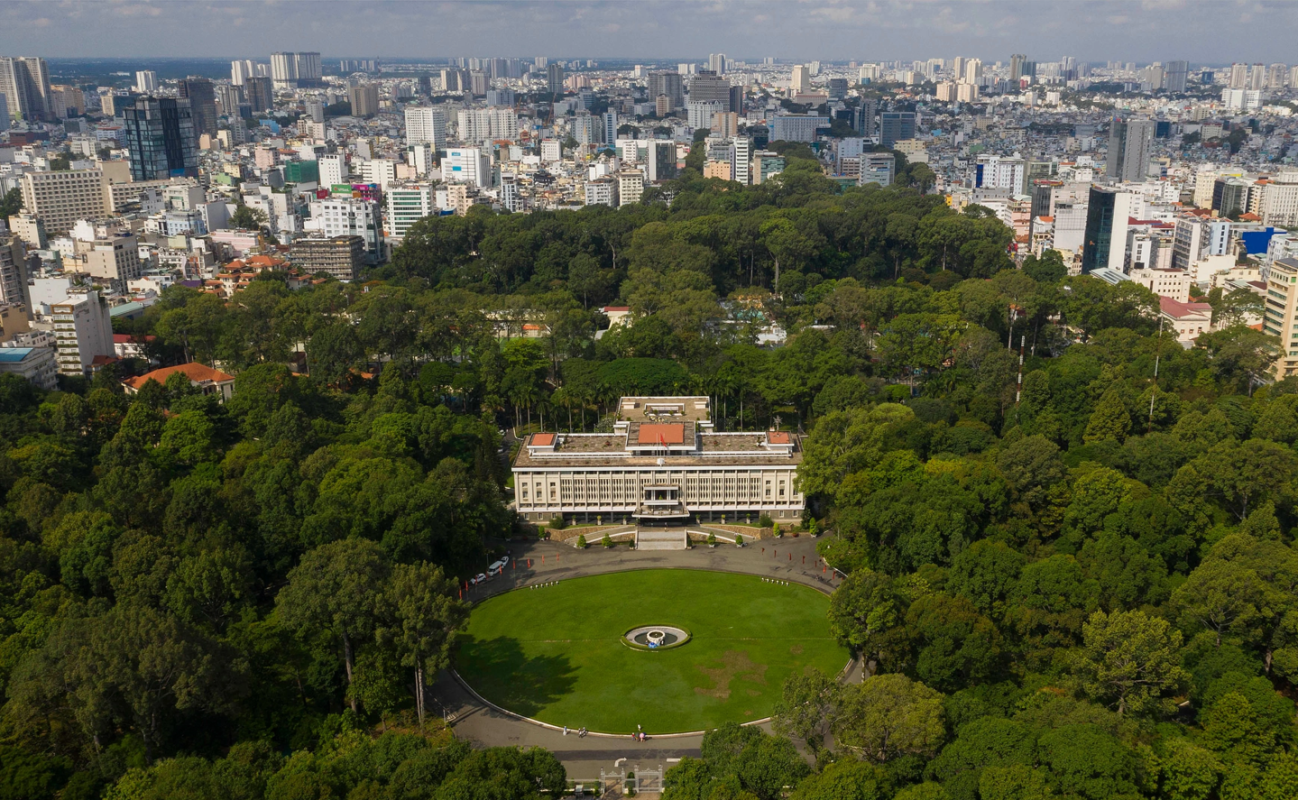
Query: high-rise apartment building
column 426, row 125
column 1277, row 76
column 333, row 169
column 146, row 81
column 1280, row 317
column 481, row 125
column 82, row 330
column 717, row 63
column 60, row 199
column 1176, row 75
column 228, row 99
column 554, row 79
column 1129, row 142
column 25, row 83
column 610, row 127
column 241, row 70
column 1016, row 66
column 973, row 71
column 260, row 93
column 669, row 84
column 202, row 102
column 741, row 154
column 14, row 290
column 364, row 99
column 1238, row 76
column 1257, row 78
column 863, row 117
column 293, row 70
column 630, row 186
column 351, row 216
column 160, row 139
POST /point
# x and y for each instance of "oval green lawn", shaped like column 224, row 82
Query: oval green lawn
column 555, row 653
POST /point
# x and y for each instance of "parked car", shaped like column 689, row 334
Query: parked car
column 482, row 578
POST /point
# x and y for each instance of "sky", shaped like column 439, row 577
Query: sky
column 1200, row 31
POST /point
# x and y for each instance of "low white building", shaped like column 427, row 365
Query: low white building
column 35, row 364
column 663, row 464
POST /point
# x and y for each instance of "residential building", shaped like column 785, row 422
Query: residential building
column 741, row 155
column 1000, row 172
column 260, row 94
column 511, row 199
column 294, row 70
column 663, row 464
column 1280, row 315
column 82, row 329
column 554, row 79
column 426, row 125
column 1173, row 283
column 610, row 127
column 364, row 99
column 1176, row 76
column 699, row 114
column 482, row 125
column 630, row 185
column 115, row 259
column 34, row 364
column 799, row 80
column 25, row 83
column 602, row 192
column 146, row 81
column 160, row 138
column 201, row 377
column 1278, row 201
column 14, row 291
column 60, row 199
column 551, row 151
column 343, row 257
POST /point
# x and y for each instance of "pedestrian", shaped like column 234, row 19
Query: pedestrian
column 565, row 730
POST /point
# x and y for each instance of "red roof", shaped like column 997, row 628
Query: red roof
column 777, row 437
column 196, row 372
column 542, row 439
column 128, row 338
column 1176, row 309
column 617, row 308
column 669, row 433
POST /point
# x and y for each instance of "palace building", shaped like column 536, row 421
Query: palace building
column 662, row 465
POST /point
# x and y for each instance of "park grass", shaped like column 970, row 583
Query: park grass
column 555, row 653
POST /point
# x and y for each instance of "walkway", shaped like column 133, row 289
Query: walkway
column 787, row 559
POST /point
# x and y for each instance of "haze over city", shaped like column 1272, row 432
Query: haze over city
column 1139, row 30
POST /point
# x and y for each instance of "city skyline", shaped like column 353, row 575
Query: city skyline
column 1095, row 30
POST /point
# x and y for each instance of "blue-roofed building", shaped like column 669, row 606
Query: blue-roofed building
column 36, row 364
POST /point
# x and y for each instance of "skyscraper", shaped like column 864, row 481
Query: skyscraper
column 202, row 101
column 717, row 63
column 669, row 84
column 610, row 127
column 709, row 87
column 260, row 92
column 160, row 138
column 292, row 70
column 800, row 80
column 1129, row 142
column 1257, row 78
column 1105, row 241
column 1238, row 76
column 25, row 83
column 241, row 70
column 554, row 78
column 863, row 120
column 1016, row 66
column 364, row 99
column 896, row 126
column 1176, row 76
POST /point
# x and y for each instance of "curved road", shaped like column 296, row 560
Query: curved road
column 786, row 559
